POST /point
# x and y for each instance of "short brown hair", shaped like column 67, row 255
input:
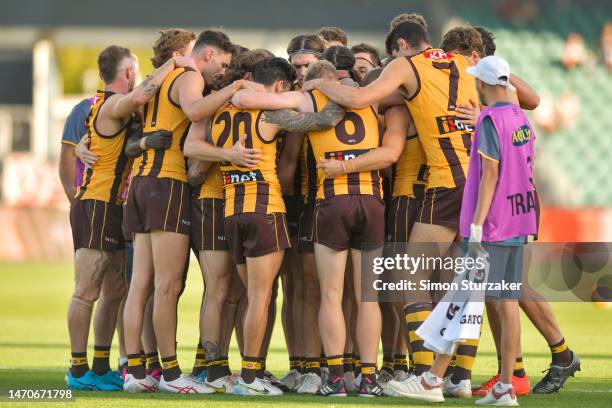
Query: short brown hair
column 367, row 48
column 173, row 39
column 402, row 18
column 333, row 34
column 244, row 63
column 307, row 43
column 214, row 38
column 109, row 60
column 463, row 40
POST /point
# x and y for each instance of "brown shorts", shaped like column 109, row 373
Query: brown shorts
column 252, row 234
column 402, row 214
column 96, row 225
column 160, row 204
column 306, row 229
column 350, row 221
column 207, row 232
column 441, row 206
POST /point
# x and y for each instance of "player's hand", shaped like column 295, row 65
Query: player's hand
column 468, row 114
column 475, row 248
column 253, row 86
column 331, row 167
column 161, row 139
column 185, row 62
column 84, row 154
column 241, row 156
column 310, row 85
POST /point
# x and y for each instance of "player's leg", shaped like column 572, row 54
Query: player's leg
column 352, row 378
column 389, row 335
column 230, row 311
column 169, row 253
column 105, row 317
column 149, row 343
column 287, row 321
column 265, row 343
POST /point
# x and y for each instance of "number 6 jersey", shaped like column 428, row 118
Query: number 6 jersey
column 252, row 189
column 356, row 134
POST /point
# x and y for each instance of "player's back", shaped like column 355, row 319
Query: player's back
column 442, row 85
column 357, row 133
column 253, row 189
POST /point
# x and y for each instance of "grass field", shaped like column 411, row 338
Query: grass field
column 34, row 349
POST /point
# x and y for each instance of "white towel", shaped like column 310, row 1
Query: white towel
column 458, row 316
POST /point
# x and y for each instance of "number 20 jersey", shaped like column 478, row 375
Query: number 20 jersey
column 357, row 133
column 254, row 189
column 442, row 85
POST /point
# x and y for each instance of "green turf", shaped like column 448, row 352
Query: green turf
column 34, row 350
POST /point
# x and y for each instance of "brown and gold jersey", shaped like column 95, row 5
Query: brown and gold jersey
column 161, row 113
column 106, row 179
column 254, row 189
column 357, row 133
column 410, row 171
column 308, row 173
column 213, row 184
column 442, row 85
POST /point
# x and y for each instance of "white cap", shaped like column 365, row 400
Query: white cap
column 492, row 70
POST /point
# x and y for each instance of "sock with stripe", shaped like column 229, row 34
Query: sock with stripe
column 347, row 362
column 519, row 368
column 78, row 364
column 136, row 367
column 303, row 364
column 312, row 365
column 323, row 360
column 101, row 360
column 400, row 363
column 415, row 315
column 262, row 368
column 368, row 370
column 152, row 362
column 388, row 362
column 170, row 368
column 250, row 365
column 464, row 357
column 561, row 353
column 335, row 365
column 295, row 363
column 215, row 369
column 226, row 366
column 411, row 361
column 499, row 364
column 199, row 364
column 451, row 367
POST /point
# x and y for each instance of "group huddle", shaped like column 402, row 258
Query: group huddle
column 266, row 167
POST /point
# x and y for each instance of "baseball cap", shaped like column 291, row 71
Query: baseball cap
column 492, row 70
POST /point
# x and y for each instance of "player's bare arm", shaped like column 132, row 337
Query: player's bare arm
column 397, row 124
column 399, row 73
column 67, row 170
column 294, row 121
column 196, row 172
column 527, row 96
column 119, row 107
column 199, row 149
column 287, row 163
column 248, row 99
column 83, row 153
column 488, row 184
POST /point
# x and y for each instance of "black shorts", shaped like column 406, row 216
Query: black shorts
column 306, row 228
column 401, row 216
column 441, row 206
column 96, row 225
column 294, row 205
column 252, row 234
column 207, row 232
column 350, row 221
column 160, row 204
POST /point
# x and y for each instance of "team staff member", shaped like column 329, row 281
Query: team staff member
column 157, row 208
column 95, row 214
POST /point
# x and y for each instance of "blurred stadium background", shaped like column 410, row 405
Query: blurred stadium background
column 48, row 50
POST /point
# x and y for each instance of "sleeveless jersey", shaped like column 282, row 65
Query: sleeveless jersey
column 410, row 171
column 247, row 190
column 442, row 85
column 357, row 133
column 106, row 179
column 213, row 184
column 308, row 172
column 161, row 113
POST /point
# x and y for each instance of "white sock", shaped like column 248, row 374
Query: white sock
column 501, row 387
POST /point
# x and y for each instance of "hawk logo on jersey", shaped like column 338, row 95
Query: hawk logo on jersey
column 237, row 176
column 521, row 135
column 451, row 123
column 345, row 154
